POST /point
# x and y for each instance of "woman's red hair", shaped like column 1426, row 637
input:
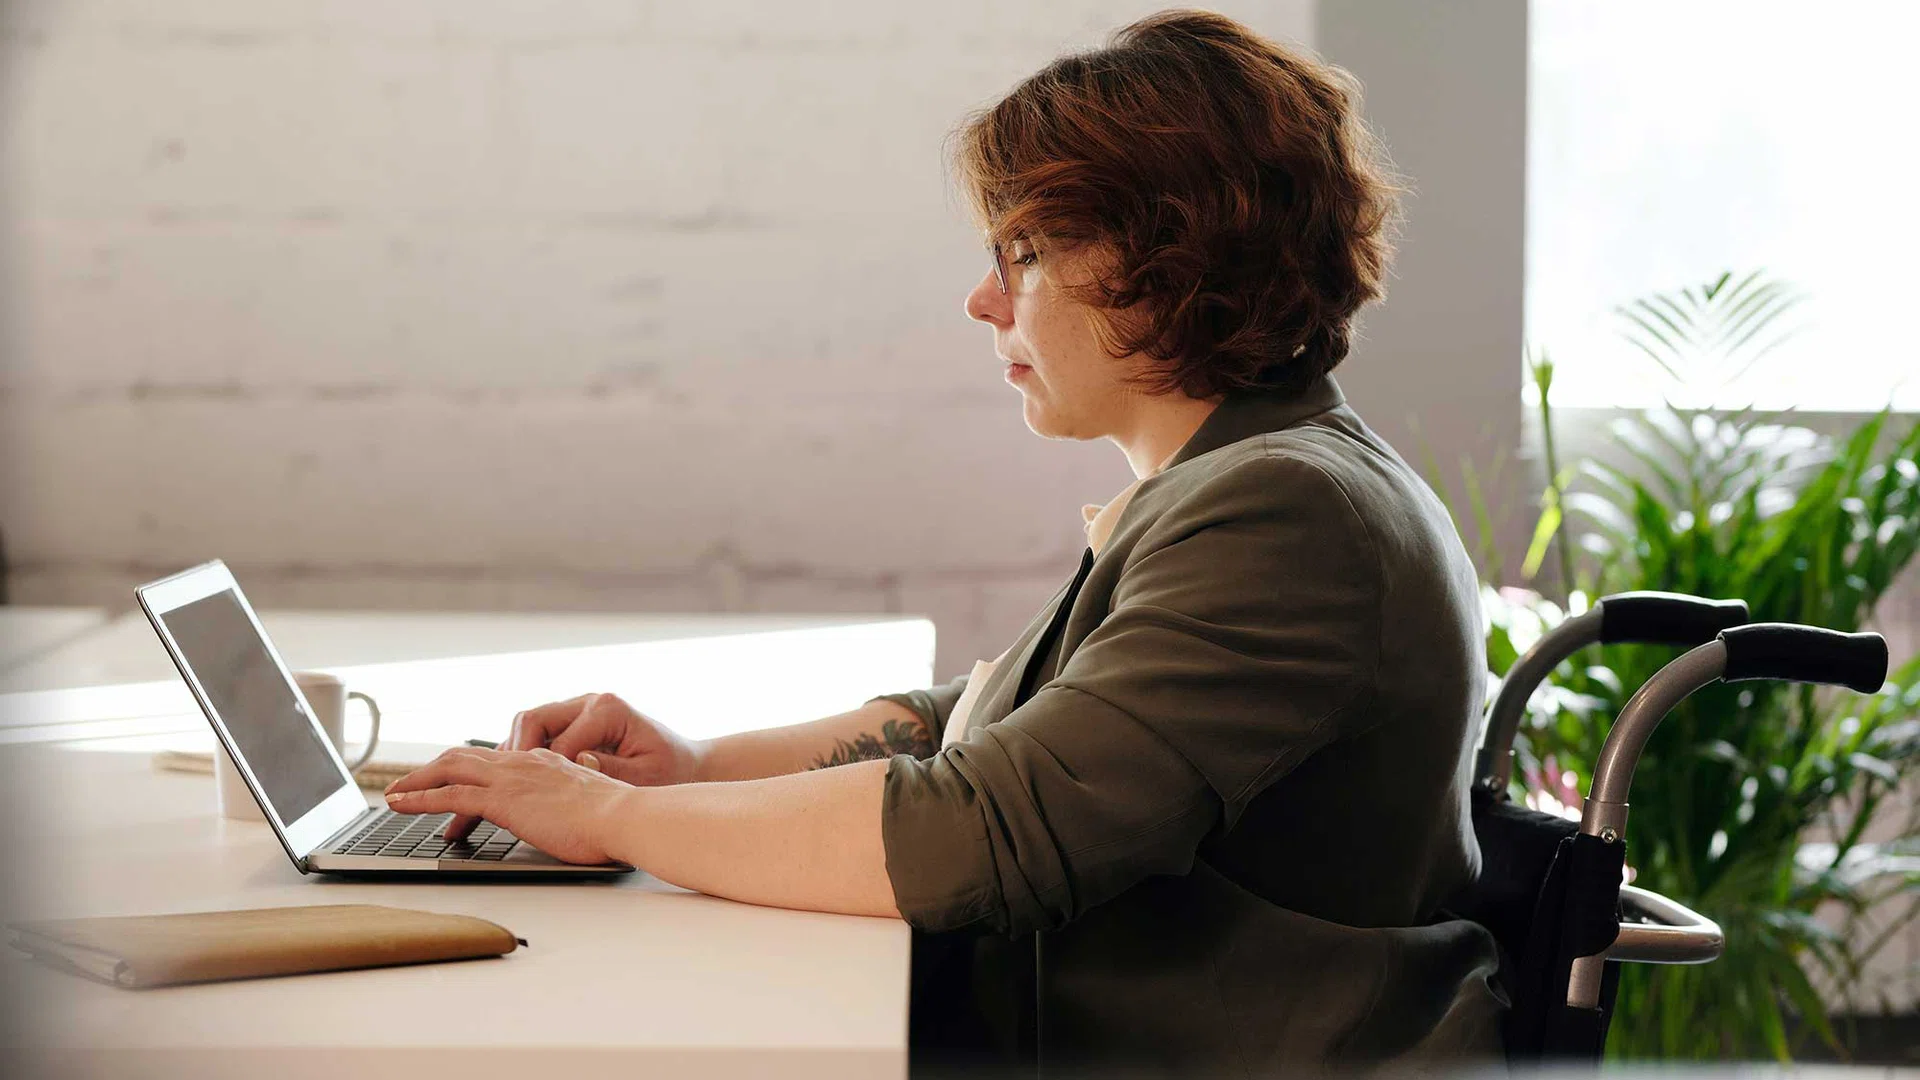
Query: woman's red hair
column 1246, row 208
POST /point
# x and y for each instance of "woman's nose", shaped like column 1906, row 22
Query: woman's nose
column 988, row 304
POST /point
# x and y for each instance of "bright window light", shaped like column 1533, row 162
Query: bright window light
column 699, row 686
column 1670, row 141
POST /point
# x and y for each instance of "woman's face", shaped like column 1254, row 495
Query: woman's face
column 1070, row 386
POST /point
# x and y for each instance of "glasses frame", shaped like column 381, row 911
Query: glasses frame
column 999, row 266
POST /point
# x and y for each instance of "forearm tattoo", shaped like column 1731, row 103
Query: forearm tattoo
column 896, row 737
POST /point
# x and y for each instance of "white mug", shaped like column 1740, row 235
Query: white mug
column 326, row 698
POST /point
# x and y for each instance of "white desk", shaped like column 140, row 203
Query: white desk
column 636, row 978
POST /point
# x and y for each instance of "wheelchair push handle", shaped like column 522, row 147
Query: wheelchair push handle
column 1672, row 933
column 1787, row 651
column 1664, row 618
column 1654, row 618
column 1807, row 654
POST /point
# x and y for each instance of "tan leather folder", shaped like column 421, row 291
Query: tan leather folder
column 140, row 951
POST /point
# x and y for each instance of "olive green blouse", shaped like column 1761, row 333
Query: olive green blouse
column 1207, row 810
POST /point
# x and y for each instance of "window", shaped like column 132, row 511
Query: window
column 1670, row 141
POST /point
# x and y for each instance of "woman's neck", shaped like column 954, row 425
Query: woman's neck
column 1159, row 427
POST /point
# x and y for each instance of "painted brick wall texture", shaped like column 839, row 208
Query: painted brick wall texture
column 625, row 306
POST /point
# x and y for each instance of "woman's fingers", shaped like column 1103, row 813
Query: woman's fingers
column 537, row 726
column 631, row 770
column 468, row 800
column 462, row 764
column 603, row 722
column 536, row 794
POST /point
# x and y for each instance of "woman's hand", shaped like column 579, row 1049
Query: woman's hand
column 542, row 798
column 602, row 732
column 618, row 739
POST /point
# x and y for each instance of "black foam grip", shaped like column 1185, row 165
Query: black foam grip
column 1808, row 654
column 1664, row 618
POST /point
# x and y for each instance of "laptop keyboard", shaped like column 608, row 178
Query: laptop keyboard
column 417, row 836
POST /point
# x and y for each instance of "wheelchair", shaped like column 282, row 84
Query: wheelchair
column 1550, row 890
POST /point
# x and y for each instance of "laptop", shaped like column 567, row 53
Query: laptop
column 319, row 814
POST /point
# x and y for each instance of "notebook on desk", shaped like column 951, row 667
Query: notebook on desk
column 141, row 951
column 394, row 761
column 291, row 767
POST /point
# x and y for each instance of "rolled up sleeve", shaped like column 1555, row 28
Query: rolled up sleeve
column 932, row 705
column 1241, row 635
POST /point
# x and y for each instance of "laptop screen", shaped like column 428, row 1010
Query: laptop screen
column 261, row 711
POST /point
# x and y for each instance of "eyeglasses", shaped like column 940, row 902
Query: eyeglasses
column 1000, row 260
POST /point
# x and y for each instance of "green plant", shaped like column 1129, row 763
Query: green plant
column 1754, row 802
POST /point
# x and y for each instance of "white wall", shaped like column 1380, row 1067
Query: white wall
column 1437, row 367
column 461, row 304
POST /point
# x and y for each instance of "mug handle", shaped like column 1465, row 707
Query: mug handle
column 373, row 733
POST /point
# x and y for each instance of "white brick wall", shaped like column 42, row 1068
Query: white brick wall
column 451, row 304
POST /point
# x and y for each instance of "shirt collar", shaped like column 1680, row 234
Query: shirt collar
column 1246, row 413
column 1243, row 414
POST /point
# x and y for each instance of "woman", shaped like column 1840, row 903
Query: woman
column 1204, row 812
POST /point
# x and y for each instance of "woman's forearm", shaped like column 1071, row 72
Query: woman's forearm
column 811, row 840
column 876, row 730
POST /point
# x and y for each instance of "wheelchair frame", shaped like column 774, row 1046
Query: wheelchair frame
column 1632, row 925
